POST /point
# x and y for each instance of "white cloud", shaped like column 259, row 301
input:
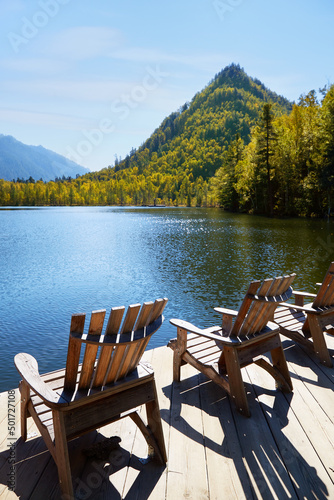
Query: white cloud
column 34, row 65
column 45, row 119
column 145, row 55
column 84, row 42
column 74, row 90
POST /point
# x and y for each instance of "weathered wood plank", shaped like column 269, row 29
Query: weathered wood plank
column 238, row 458
column 256, row 317
column 95, row 328
column 244, row 308
column 149, row 480
column 222, row 446
column 130, row 318
column 105, row 478
column 269, row 477
column 308, row 467
column 186, row 461
column 73, row 352
column 144, row 315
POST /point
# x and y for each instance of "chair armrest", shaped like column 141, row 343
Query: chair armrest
column 306, row 309
column 304, row 294
column 208, row 332
column 28, row 368
column 179, row 323
column 228, row 312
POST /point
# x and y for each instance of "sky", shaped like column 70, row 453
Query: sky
column 92, row 80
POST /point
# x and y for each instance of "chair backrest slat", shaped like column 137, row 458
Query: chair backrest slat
column 110, row 356
column 120, row 367
column 144, row 315
column 325, row 295
column 280, row 291
column 115, row 364
column 128, row 358
column 330, row 295
column 88, row 363
column 273, row 294
column 256, row 318
column 243, row 309
column 115, row 319
column 73, row 352
column 139, row 353
column 113, row 326
column 130, row 318
column 259, row 305
column 158, row 309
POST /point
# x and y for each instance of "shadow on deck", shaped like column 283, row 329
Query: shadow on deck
column 285, row 450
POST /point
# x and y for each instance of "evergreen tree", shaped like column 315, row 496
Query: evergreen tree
column 266, row 138
column 224, row 181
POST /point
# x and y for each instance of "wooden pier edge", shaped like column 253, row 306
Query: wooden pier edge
column 285, row 450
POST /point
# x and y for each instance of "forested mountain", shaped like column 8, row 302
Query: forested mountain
column 194, row 138
column 236, row 145
column 17, row 160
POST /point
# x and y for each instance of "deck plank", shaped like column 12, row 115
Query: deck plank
column 186, row 459
column 284, row 450
column 268, row 475
column 227, row 475
column 289, row 426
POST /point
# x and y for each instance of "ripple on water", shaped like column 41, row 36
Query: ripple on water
column 59, row 261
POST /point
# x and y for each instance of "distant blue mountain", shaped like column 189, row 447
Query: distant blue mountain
column 17, row 160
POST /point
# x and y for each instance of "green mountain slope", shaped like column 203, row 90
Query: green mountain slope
column 193, row 139
column 178, row 163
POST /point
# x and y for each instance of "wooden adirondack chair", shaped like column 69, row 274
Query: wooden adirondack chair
column 306, row 324
column 221, row 352
column 109, row 384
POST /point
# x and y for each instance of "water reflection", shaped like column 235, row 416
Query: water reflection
column 56, row 261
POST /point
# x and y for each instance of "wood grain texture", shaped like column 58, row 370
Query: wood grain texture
column 284, row 451
column 228, row 349
column 307, row 323
column 109, row 383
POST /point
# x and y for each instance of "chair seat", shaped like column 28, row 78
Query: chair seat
column 206, row 351
column 290, row 319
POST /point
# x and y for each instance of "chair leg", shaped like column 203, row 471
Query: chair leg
column 233, row 369
column 152, row 432
column 62, row 456
column 153, row 440
column 177, row 362
column 279, row 362
column 154, row 423
column 179, row 346
column 319, row 342
column 25, row 397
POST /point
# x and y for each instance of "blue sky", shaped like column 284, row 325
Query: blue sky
column 91, row 80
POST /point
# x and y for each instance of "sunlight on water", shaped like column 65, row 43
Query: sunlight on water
column 59, row 261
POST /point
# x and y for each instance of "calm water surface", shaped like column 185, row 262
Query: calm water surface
column 59, row 261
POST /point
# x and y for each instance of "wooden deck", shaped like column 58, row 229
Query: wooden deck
column 285, row 450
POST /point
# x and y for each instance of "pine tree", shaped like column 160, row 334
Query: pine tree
column 266, row 138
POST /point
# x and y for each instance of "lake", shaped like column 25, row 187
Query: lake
column 59, row 261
